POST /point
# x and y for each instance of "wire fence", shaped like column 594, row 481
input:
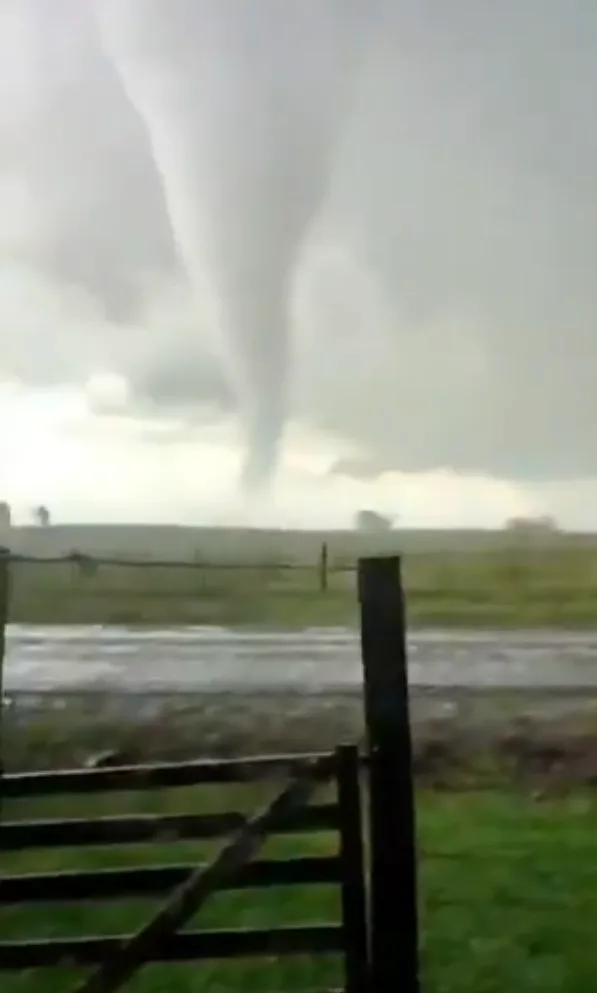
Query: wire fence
column 151, row 562
column 87, row 588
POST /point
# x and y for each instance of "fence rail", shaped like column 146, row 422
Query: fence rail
column 145, row 828
column 122, row 884
column 164, row 774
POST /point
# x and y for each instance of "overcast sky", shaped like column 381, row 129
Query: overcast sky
column 444, row 311
column 54, row 449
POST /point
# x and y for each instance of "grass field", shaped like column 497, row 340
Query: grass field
column 508, row 897
column 511, row 587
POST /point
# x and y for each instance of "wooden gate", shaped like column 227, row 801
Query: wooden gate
column 117, row 958
column 377, row 936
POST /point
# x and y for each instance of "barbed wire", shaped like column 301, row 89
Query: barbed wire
column 79, row 558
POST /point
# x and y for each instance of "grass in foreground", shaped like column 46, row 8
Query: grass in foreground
column 508, row 900
column 512, row 587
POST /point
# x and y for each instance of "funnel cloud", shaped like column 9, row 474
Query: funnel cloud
column 450, row 148
column 226, row 115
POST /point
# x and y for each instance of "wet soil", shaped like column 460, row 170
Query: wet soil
column 476, row 747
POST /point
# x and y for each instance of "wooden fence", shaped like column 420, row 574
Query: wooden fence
column 377, row 936
column 189, row 886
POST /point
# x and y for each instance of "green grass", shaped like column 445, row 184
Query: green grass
column 511, row 587
column 508, row 899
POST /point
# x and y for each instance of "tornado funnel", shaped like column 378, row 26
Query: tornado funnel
column 243, row 103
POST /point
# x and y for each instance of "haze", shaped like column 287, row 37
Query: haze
column 442, row 299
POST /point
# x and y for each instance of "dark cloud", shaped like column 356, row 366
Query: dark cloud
column 178, row 384
column 84, row 154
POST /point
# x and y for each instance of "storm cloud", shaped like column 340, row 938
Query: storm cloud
column 445, row 301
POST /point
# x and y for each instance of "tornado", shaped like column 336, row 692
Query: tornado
column 243, row 103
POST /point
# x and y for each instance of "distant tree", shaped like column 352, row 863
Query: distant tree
column 532, row 525
column 41, row 515
column 5, row 515
column 370, row 520
column 526, row 533
column 531, row 530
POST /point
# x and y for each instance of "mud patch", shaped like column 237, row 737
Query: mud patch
column 456, row 745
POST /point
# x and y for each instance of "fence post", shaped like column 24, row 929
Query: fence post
column 4, row 605
column 323, row 568
column 393, row 885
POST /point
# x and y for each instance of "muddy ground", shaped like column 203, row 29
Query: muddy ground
column 455, row 743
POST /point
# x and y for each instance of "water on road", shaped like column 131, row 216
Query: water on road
column 210, row 659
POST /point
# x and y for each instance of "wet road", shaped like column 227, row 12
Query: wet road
column 202, row 660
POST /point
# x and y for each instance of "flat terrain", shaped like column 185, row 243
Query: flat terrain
column 508, row 898
column 511, row 586
column 249, row 545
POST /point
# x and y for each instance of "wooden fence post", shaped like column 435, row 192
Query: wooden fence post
column 4, row 607
column 393, row 885
column 323, row 568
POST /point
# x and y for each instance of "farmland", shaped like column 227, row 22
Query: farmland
column 508, row 586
